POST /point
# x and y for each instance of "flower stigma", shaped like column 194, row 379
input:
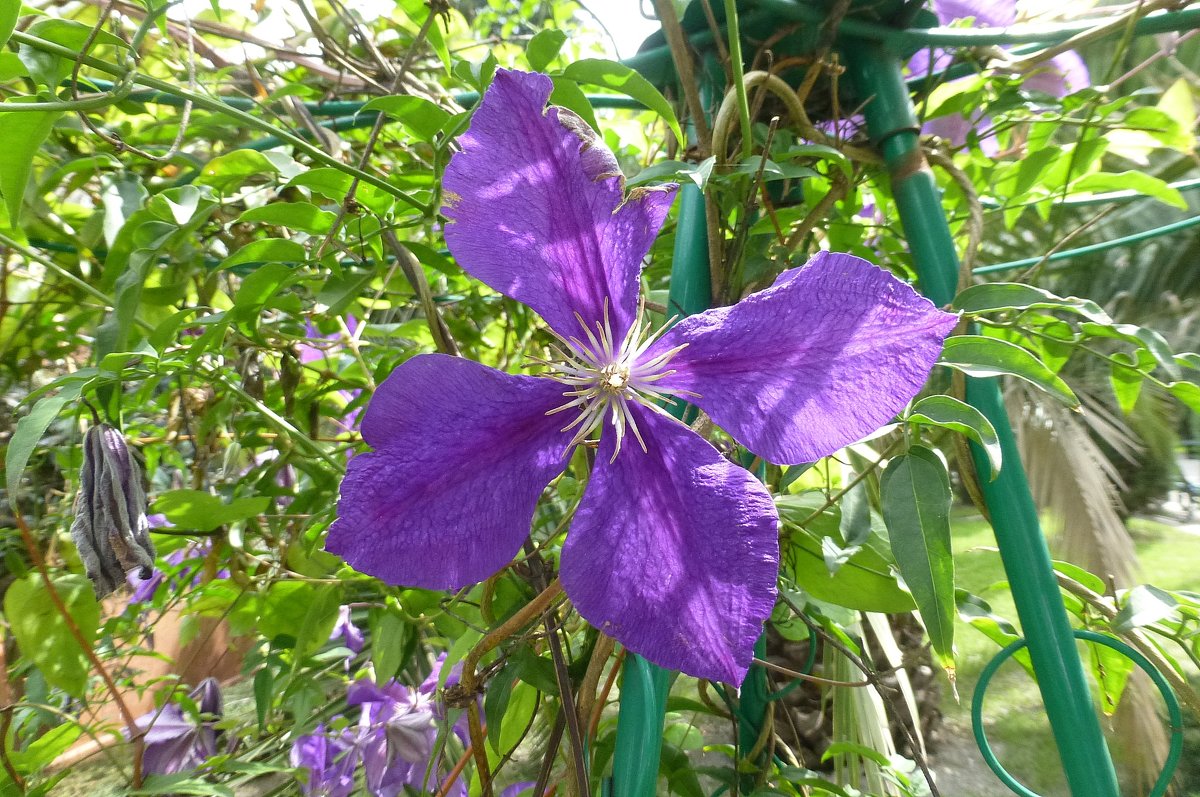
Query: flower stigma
column 603, row 378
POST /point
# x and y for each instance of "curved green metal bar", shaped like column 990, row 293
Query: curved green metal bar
column 1175, row 751
column 906, row 40
column 336, row 107
column 809, row 662
column 1103, row 246
column 892, row 125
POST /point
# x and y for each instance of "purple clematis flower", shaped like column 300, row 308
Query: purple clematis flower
column 673, row 549
column 397, row 734
column 173, row 741
column 330, row 760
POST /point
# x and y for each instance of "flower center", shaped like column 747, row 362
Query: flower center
column 602, row 376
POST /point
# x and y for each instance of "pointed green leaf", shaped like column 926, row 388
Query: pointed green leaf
column 618, row 77
column 1127, row 381
column 10, row 12
column 915, row 493
column 543, row 48
column 44, row 635
column 24, row 134
column 998, row 296
column 976, row 355
column 950, row 413
column 421, row 116
column 27, row 434
column 267, row 250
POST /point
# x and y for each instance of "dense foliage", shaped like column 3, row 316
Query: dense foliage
column 222, row 230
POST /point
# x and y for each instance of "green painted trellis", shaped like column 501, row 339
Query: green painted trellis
column 872, row 51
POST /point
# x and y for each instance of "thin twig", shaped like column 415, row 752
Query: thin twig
column 561, row 676
column 880, row 687
column 680, row 54
column 469, row 681
column 39, row 564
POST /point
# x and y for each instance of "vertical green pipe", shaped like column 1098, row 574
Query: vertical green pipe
column 644, row 685
column 892, row 124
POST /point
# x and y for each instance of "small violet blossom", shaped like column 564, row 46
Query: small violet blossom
column 310, row 353
column 345, row 632
column 397, row 734
column 175, row 743
column 330, row 760
column 673, row 549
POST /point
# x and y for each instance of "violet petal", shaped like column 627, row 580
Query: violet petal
column 462, row 453
column 674, row 551
column 537, row 209
column 823, row 357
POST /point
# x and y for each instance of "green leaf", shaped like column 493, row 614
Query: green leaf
column 1140, row 182
column 522, row 704
column 185, row 783
column 567, row 94
column 319, row 616
column 10, row 65
column 43, row 633
column 976, row 355
column 915, row 494
column 27, row 434
column 302, row 216
column 978, row 612
column 303, row 611
column 543, row 48
column 49, row 69
column 419, row 115
column 495, row 701
column 268, row 250
column 863, row 582
column 1141, row 606
column 231, row 170
column 259, row 287
column 618, row 77
column 1126, row 380
column 197, row 510
column 10, row 12
column 1188, row 393
column 998, row 296
column 24, row 134
column 48, row 747
column 393, row 639
column 950, row 413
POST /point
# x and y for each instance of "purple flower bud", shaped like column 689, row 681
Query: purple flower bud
column 110, row 527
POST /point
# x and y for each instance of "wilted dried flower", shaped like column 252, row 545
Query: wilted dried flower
column 110, row 528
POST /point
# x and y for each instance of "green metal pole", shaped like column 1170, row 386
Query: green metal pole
column 644, row 685
column 892, row 125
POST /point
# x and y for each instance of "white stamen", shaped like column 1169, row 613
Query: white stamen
column 604, row 377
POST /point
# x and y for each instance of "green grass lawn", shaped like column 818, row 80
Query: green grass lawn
column 1014, row 715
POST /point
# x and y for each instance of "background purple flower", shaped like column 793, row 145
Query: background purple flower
column 314, row 351
column 397, row 735
column 330, row 760
column 174, row 742
column 346, row 634
column 673, row 549
column 1058, row 77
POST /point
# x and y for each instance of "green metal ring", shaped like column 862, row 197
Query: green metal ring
column 1176, row 715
